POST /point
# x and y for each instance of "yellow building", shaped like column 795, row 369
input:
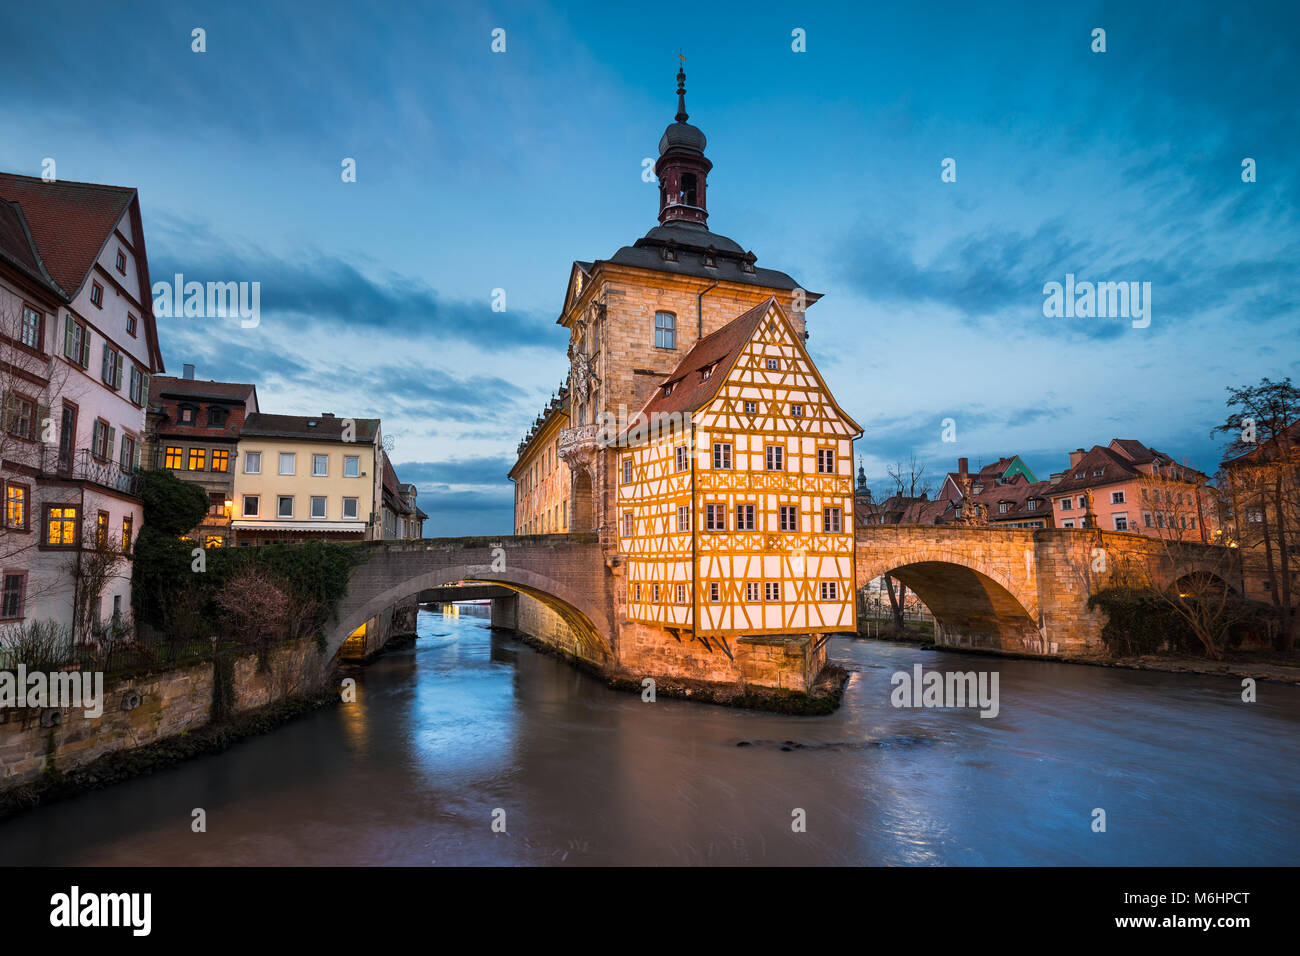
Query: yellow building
column 308, row 479
column 541, row 477
column 735, row 489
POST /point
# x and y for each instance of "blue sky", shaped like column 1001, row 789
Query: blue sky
column 478, row 170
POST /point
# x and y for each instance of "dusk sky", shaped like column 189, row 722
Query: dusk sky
column 479, row 170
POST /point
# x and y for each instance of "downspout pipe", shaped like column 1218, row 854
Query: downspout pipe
column 699, row 310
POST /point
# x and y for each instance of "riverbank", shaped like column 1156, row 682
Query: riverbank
column 1239, row 665
column 120, row 765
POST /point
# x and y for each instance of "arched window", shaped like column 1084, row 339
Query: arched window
column 665, row 330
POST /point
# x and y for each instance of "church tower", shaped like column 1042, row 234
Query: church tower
column 632, row 317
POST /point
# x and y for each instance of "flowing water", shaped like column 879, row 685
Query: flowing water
column 470, row 725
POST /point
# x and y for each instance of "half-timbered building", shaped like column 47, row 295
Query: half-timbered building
column 735, row 489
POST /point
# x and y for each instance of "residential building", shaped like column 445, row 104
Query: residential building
column 308, row 478
column 1004, row 494
column 735, row 489
column 1126, row 486
column 1003, row 471
column 193, row 431
column 540, row 475
column 402, row 516
column 1260, row 494
column 78, row 346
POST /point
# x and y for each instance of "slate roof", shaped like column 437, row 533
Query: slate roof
column 691, row 241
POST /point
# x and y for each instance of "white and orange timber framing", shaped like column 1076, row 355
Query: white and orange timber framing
column 759, row 514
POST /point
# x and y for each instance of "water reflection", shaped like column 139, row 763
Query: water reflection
column 469, row 721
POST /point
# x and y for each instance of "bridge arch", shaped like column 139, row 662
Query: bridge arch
column 975, row 604
column 564, row 576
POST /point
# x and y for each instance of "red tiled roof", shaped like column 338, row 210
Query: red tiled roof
column 167, row 394
column 69, row 222
column 310, row 427
column 17, row 248
column 691, row 390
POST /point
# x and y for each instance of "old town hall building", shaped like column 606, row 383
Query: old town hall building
column 735, row 520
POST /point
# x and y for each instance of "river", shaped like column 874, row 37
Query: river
column 470, row 722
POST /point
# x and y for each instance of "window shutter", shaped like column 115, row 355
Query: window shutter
column 144, row 389
column 85, row 348
column 117, row 373
column 6, row 409
column 42, row 416
column 94, row 437
column 69, row 342
column 108, row 452
column 136, row 462
column 105, row 368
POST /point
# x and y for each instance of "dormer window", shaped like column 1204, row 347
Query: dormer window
column 188, row 413
column 1097, row 473
column 1031, row 505
column 670, row 251
column 706, row 372
column 1078, row 476
column 710, row 258
column 747, row 263
column 217, row 416
column 668, row 389
column 1003, row 507
column 978, row 489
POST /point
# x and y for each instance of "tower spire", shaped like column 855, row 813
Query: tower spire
column 682, row 116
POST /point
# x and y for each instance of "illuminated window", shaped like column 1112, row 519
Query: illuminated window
column 197, row 457
column 61, row 526
column 128, row 527
column 16, row 507
column 101, row 531
column 174, row 456
column 220, row 459
column 214, row 541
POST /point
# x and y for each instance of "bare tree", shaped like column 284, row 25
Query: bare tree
column 909, row 479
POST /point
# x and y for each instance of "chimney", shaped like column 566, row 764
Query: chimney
column 187, row 371
column 963, row 466
column 326, row 414
column 1076, row 456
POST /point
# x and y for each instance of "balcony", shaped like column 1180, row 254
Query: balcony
column 581, row 443
column 81, row 465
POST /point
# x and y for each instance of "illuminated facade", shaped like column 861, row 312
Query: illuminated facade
column 735, row 490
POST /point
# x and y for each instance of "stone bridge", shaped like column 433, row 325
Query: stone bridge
column 1015, row 591
column 565, row 573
